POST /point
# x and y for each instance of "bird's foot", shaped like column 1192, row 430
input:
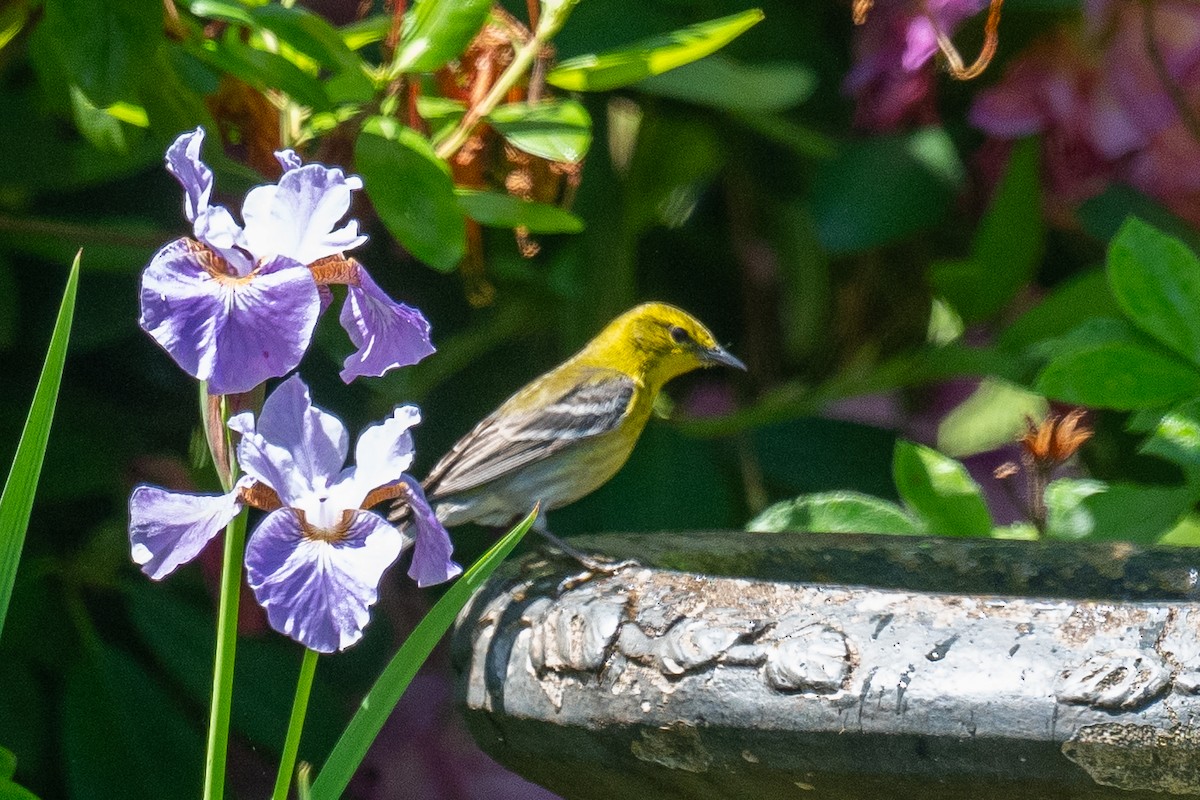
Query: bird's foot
column 591, row 566
column 591, row 569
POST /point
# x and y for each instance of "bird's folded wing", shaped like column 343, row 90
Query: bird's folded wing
column 505, row 441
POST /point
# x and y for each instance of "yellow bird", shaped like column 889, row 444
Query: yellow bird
column 567, row 432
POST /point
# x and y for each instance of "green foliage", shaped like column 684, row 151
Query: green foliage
column 421, row 209
column 940, row 491
column 16, row 501
column 435, row 32
column 835, row 512
column 881, row 190
column 653, row 56
column 558, row 131
column 505, row 211
column 1007, row 246
column 377, row 706
column 1150, row 358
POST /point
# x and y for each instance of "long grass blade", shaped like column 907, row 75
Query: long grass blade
column 352, row 747
column 16, row 502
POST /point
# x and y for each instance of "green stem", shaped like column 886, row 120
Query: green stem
column 222, row 694
column 291, row 745
column 548, row 25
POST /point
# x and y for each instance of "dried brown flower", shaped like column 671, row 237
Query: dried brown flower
column 1055, row 440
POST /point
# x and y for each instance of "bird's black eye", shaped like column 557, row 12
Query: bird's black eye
column 679, row 335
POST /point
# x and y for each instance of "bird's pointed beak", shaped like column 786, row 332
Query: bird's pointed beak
column 719, row 355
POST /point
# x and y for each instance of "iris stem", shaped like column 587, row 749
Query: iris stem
column 222, row 694
column 291, row 745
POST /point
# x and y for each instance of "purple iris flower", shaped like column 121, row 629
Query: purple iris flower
column 316, row 559
column 237, row 304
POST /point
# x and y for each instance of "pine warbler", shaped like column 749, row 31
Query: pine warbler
column 567, row 432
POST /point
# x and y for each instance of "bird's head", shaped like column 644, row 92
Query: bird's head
column 659, row 341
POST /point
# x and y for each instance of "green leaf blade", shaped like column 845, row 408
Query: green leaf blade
column 1156, row 281
column 412, row 191
column 941, row 491
column 16, row 502
column 1007, row 247
column 560, row 130
column 505, row 211
column 835, row 512
column 382, row 698
column 728, row 85
column 436, row 31
column 654, row 56
column 1121, row 375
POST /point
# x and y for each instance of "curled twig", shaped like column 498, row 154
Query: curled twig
column 991, row 40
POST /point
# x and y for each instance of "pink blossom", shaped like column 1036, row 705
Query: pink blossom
column 1105, row 105
column 892, row 79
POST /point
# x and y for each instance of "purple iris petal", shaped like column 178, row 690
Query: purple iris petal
column 383, row 452
column 167, row 529
column 319, row 592
column 296, row 218
column 288, row 159
column 387, row 334
column 294, row 447
column 431, row 562
column 183, row 161
column 232, row 332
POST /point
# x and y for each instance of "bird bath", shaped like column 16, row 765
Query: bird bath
column 737, row 665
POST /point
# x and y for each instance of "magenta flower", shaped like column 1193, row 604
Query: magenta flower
column 1103, row 103
column 315, row 560
column 892, row 80
column 238, row 303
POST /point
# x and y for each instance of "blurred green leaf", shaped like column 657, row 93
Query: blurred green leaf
column 262, row 70
column 653, row 56
column 1095, row 510
column 16, row 502
column 363, row 32
column 1066, row 517
column 1186, row 532
column 234, row 12
column 673, row 161
column 104, row 45
column 802, row 140
column 1022, row 531
column 835, row 512
column 728, row 85
column 1007, row 246
column 1103, row 215
column 441, row 114
column 559, row 130
column 316, row 38
column 1176, row 435
column 181, row 638
column 103, row 130
column 505, row 211
column 993, row 415
column 1122, row 375
column 9, row 790
column 393, row 681
column 435, row 31
column 1156, row 280
column 1081, row 298
column 878, row 190
column 411, row 190
column 940, row 491
column 123, row 736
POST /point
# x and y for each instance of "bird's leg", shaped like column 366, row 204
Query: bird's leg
column 592, row 565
